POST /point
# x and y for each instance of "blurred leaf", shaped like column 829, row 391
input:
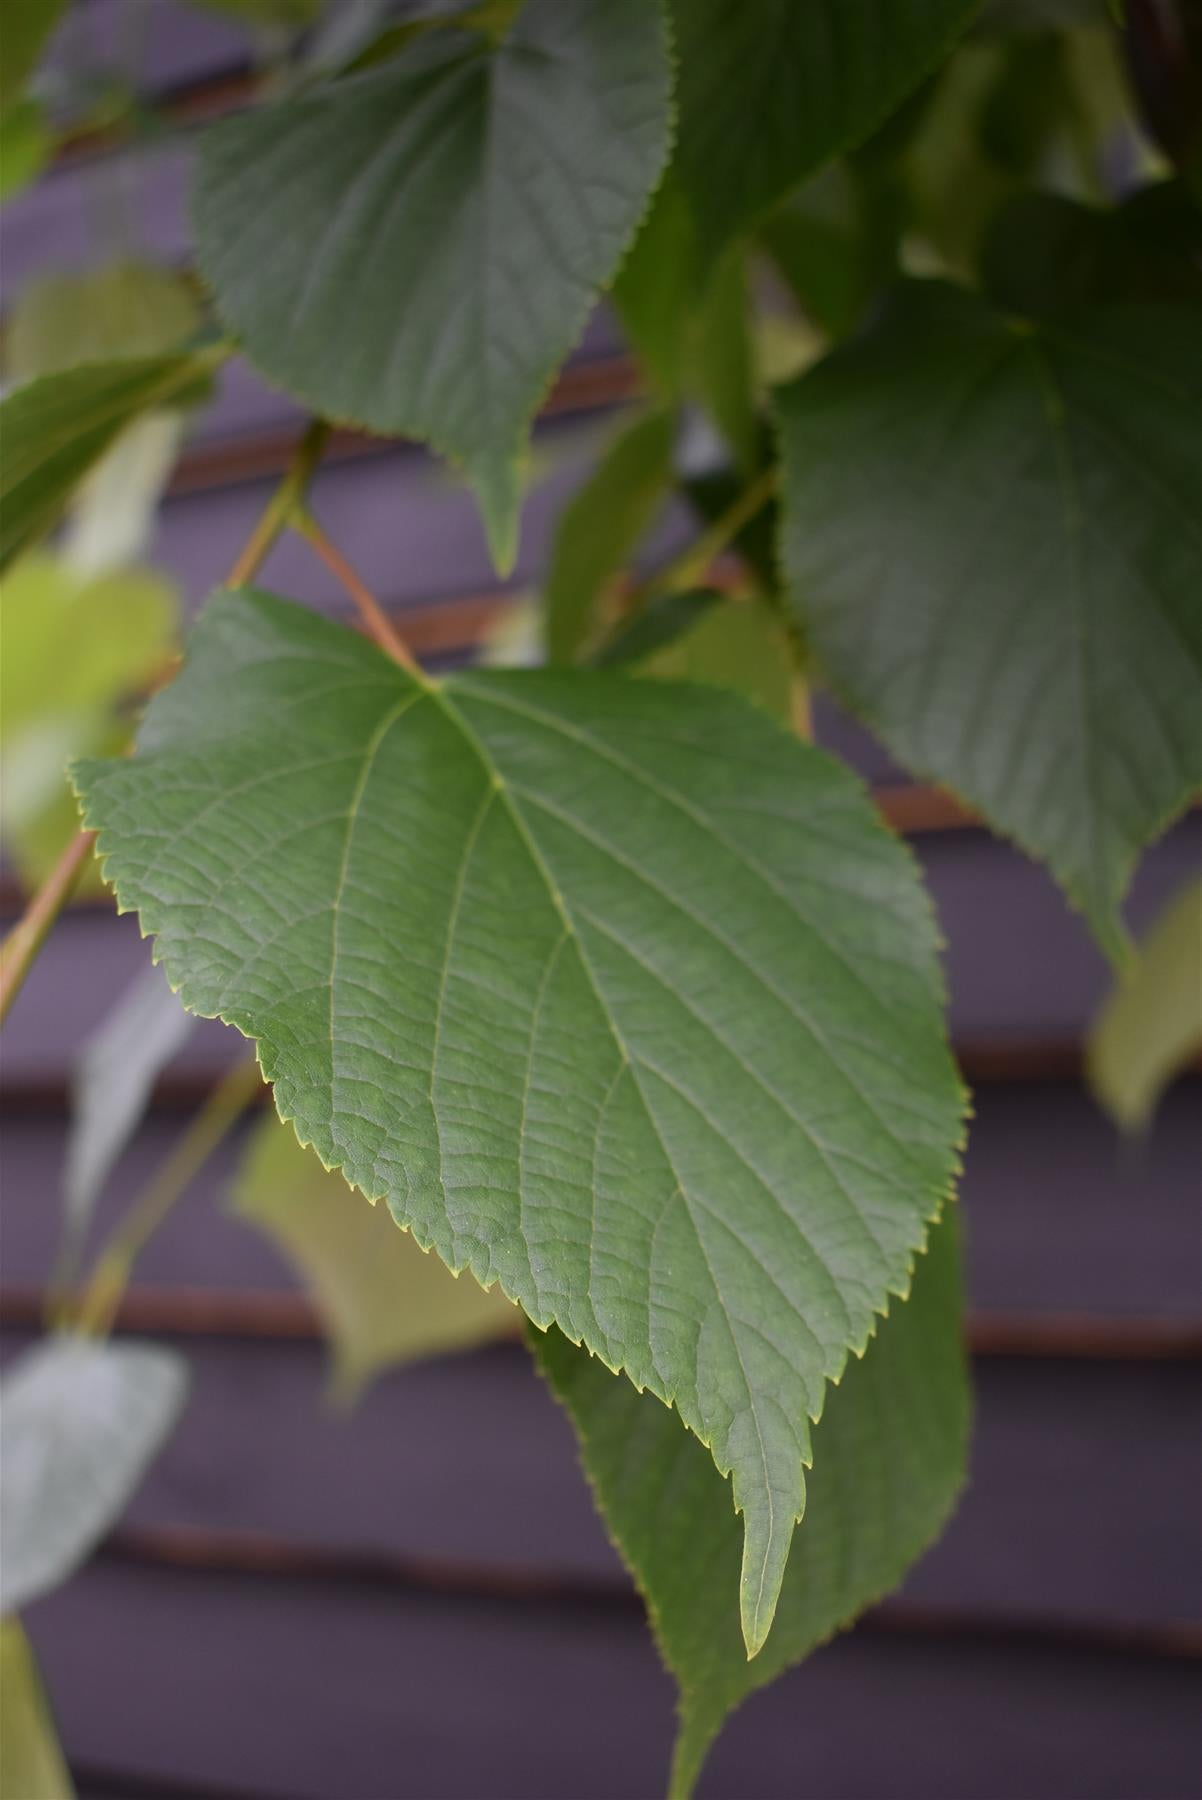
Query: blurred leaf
column 128, row 309
column 660, row 623
column 739, row 644
column 25, row 147
column 1047, row 256
column 600, row 527
column 28, row 28
column 721, row 360
column 32, row 1766
column 889, row 1461
column 768, row 90
column 110, row 1086
column 382, row 1299
column 80, row 1422
column 73, row 650
column 992, row 546
column 56, row 429
column 1151, row 1026
column 454, row 342
column 818, row 239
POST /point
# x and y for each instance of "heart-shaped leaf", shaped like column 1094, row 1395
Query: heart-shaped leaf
column 619, row 995
column 991, row 533
column 441, row 226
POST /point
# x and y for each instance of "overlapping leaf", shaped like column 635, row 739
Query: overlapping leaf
column 55, row 429
column 617, row 993
column 769, row 89
column 992, row 538
column 382, row 1300
column 889, row 1455
column 441, row 225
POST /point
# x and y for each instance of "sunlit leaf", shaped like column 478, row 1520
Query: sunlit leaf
column 620, row 995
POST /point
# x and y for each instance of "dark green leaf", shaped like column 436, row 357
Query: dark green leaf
column 79, row 1423
column 889, row 1456
column 55, row 429
column 770, row 89
column 992, row 538
column 620, row 995
column 441, row 225
column 600, row 527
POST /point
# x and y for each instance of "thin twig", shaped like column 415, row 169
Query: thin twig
column 20, row 948
column 216, row 1118
column 283, row 506
column 374, row 618
column 689, row 568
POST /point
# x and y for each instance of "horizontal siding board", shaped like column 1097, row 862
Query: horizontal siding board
column 323, row 1692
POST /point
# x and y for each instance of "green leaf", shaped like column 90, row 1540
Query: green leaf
column 991, row 536
column 382, row 1300
column 471, row 198
column 73, row 651
column 1151, row 1026
column 889, row 1461
column 770, row 89
column 110, row 1087
column 28, row 27
column 600, row 527
column 55, row 429
column 662, row 621
column 620, row 996
column 127, row 309
column 739, row 644
column 80, row 1422
column 31, row 1761
column 25, row 147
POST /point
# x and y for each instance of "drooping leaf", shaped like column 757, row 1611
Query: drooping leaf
column 991, row 535
column 471, row 198
column 889, row 1461
column 72, row 651
column 770, row 89
column 28, row 25
column 110, row 1087
column 80, row 1421
column 56, row 428
column 31, row 1760
column 617, row 993
column 381, row 1298
column 1151, row 1026
column 600, row 527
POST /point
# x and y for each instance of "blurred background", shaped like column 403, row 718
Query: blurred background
column 410, row 1596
